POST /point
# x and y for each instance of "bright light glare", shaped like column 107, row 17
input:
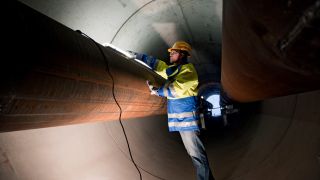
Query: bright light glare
column 127, row 54
column 167, row 31
column 118, row 49
column 142, row 63
column 214, row 100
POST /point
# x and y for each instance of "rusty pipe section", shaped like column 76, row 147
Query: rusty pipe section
column 53, row 76
column 270, row 48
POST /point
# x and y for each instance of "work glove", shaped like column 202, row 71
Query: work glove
column 153, row 90
column 133, row 54
column 136, row 55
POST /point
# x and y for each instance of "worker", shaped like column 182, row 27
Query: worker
column 181, row 89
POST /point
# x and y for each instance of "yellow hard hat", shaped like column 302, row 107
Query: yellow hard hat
column 182, row 46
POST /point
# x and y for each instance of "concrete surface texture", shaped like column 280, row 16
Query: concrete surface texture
column 273, row 139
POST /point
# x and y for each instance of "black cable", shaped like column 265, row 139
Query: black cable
column 125, row 154
column 115, row 99
column 129, row 19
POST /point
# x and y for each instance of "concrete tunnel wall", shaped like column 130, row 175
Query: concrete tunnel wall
column 278, row 139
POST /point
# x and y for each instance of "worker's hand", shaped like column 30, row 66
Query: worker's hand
column 149, row 85
column 153, row 90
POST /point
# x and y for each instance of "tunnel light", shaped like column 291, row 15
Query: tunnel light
column 125, row 53
column 215, row 101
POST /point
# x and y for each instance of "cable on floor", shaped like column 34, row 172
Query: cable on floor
column 114, row 97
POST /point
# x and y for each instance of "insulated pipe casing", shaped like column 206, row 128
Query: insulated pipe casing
column 270, row 48
column 54, row 76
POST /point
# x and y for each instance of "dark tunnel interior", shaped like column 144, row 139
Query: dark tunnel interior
column 259, row 74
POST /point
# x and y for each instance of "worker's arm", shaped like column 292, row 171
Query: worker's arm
column 155, row 64
column 184, row 85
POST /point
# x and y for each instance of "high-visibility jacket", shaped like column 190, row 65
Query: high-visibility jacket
column 180, row 89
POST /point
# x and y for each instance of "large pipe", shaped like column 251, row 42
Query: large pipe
column 54, row 76
column 270, row 48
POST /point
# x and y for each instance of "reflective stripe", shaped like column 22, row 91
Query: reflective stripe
column 181, row 115
column 172, row 71
column 183, row 124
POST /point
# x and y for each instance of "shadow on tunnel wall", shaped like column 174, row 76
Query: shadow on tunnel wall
column 217, row 129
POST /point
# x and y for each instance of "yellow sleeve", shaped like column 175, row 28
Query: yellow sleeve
column 161, row 67
column 185, row 83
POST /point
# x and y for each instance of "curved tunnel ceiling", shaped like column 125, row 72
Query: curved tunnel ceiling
column 147, row 26
column 274, row 139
